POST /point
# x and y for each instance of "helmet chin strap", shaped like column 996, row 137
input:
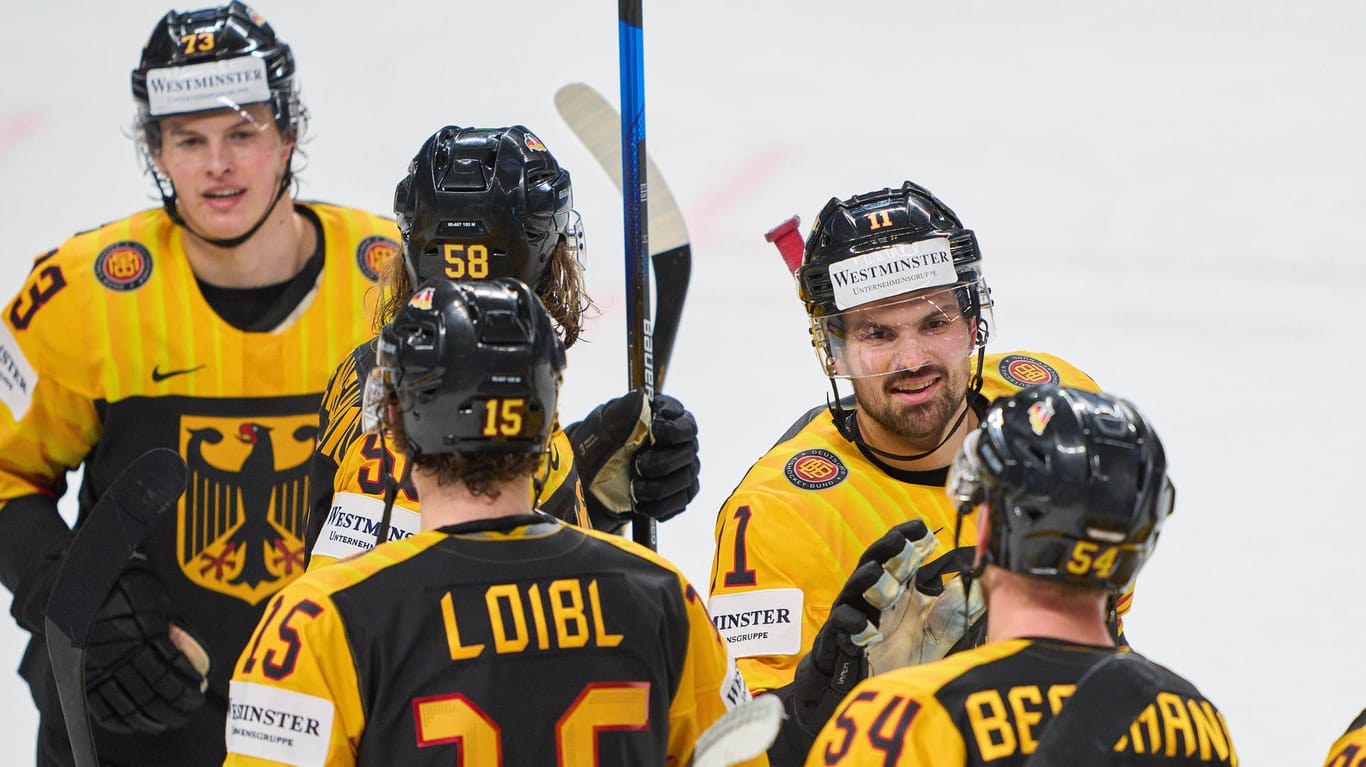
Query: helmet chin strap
column 846, row 420
column 391, row 488
column 169, row 203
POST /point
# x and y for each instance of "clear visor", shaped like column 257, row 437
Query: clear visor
column 903, row 332
column 372, row 403
column 188, row 142
column 964, row 486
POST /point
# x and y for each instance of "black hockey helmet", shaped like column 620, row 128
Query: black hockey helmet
column 482, row 203
column 215, row 58
column 475, row 366
column 883, row 245
column 1075, row 485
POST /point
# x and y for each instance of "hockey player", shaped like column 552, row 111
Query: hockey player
column 899, row 308
column 478, row 204
column 1071, row 490
column 1350, row 749
column 497, row 634
column 208, row 326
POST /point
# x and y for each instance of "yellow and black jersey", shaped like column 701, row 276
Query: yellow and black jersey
column 346, row 494
column 991, row 704
column 520, row 641
column 793, row 530
column 110, row 349
column 1350, row 750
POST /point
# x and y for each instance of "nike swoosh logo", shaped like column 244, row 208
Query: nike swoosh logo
column 158, row 376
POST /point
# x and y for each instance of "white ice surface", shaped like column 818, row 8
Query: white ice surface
column 1165, row 193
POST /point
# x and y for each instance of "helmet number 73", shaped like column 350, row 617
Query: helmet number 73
column 197, row 42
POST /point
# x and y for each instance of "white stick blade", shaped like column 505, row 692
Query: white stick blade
column 598, row 125
column 744, row 733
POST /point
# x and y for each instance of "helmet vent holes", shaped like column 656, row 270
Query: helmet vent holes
column 1112, row 425
column 500, row 326
column 464, row 174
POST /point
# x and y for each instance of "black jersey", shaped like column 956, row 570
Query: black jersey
column 990, row 705
column 519, row 641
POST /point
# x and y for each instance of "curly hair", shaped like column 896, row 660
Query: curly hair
column 561, row 289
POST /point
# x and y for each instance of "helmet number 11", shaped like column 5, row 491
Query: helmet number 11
column 466, row 262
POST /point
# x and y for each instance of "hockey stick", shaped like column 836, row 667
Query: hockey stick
column 634, row 197
column 787, row 238
column 596, row 123
column 744, row 733
column 113, row 529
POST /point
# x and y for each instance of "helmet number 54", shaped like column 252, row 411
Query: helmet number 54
column 465, row 261
column 1084, row 560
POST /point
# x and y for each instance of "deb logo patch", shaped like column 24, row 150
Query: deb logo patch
column 373, row 253
column 534, row 144
column 124, row 266
column 1024, row 371
column 815, row 469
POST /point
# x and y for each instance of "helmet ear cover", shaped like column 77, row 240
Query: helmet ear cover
column 1075, row 485
column 474, row 367
column 215, row 58
column 483, row 203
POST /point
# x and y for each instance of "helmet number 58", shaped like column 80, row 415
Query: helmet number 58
column 466, row 261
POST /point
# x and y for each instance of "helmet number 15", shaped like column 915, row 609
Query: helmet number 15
column 503, row 417
column 466, row 261
column 1092, row 559
column 197, row 42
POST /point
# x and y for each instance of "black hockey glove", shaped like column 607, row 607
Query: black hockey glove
column 838, row 659
column 137, row 680
column 634, row 455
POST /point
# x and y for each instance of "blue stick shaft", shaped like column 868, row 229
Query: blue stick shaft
column 639, row 340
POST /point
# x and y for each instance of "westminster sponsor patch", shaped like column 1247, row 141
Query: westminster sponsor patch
column 892, row 271
column 352, row 522
column 278, row 725
column 815, row 469
column 124, row 266
column 226, row 84
column 765, row 622
column 373, row 253
column 1024, row 371
column 734, row 691
column 17, row 376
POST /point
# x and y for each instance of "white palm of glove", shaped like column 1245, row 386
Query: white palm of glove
column 920, row 628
